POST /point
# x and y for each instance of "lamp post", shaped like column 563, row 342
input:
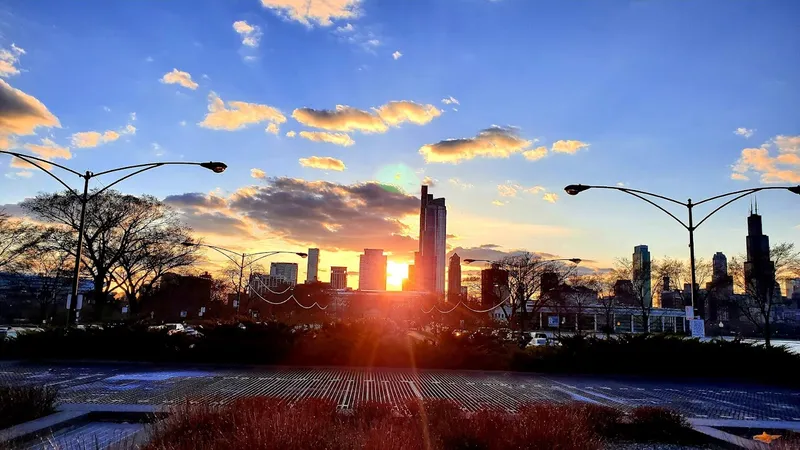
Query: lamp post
column 84, row 198
column 575, row 189
column 575, row 261
column 241, row 265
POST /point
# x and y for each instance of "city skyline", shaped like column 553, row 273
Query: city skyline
column 241, row 83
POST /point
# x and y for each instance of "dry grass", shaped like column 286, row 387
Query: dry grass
column 20, row 404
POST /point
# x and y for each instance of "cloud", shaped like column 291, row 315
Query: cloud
column 21, row 114
column 570, row 147
column 499, row 203
column 493, row 142
column 782, row 166
column 508, row 190
column 450, row 101
column 49, row 150
column 535, row 153
column 550, row 197
column 534, row 189
column 349, row 28
column 238, row 114
column 21, row 164
column 8, row 61
column 291, row 134
column 91, row 139
column 272, row 128
column 744, row 132
column 322, row 162
column 179, row 77
column 24, row 174
column 308, row 12
column 250, row 34
column 397, row 55
column 460, row 184
column 257, row 173
column 342, row 139
column 346, row 118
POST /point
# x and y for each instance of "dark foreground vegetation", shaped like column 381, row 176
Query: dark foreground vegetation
column 379, row 344
column 21, row 404
column 263, row 423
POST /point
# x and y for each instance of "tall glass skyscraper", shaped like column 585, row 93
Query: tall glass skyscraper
column 642, row 273
column 430, row 270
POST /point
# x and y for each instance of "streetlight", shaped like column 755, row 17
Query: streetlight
column 216, row 167
column 575, row 189
column 241, row 265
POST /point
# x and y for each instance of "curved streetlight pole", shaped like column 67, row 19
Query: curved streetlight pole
column 241, row 265
column 84, row 198
column 575, row 189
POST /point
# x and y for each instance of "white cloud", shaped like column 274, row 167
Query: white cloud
column 291, row 134
column 570, row 147
column 8, row 61
column 272, row 128
column 744, row 132
column 349, row 28
column 739, row 177
column 342, row 139
column 250, row 34
column 550, row 197
column 182, row 123
column 508, row 190
column 179, row 77
column 460, row 184
column 257, row 173
column 238, row 114
column 308, row 12
column 450, row 101
column 397, row 55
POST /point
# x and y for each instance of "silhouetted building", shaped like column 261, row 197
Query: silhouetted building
column 287, row 271
column 548, row 282
column 792, row 288
column 759, row 271
column 312, row 269
column 720, row 266
column 623, row 293
column 454, row 280
column 178, row 298
column 432, row 243
column 641, row 274
column 338, row 277
column 494, row 286
column 410, row 283
column 372, row 270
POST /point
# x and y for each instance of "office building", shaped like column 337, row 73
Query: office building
column 372, row 270
column 285, row 270
column 759, row 271
column 641, row 275
column 312, row 269
column 720, row 266
column 494, row 286
column 430, row 269
column 338, row 277
column 792, row 288
column 454, row 279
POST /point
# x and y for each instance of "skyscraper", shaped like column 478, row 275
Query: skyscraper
column 430, row 269
column 641, row 274
column 338, row 277
column 372, row 270
column 494, row 286
column 313, row 265
column 759, row 271
column 720, row 266
column 454, row 279
column 285, row 270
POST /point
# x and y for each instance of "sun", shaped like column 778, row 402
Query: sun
column 395, row 273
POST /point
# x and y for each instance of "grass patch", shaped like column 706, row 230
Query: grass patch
column 267, row 423
column 20, row 404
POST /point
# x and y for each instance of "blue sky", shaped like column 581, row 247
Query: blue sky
column 647, row 93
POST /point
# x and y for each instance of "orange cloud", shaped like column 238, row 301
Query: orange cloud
column 238, row 115
column 323, row 162
column 179, row 77
column 493, row 142
column 20, row 164
column 257, row 173
column 272, row 128
column 379, row 120
column 570, row 147
column 49, row 150
column 395, row 113
column 781, row 167
column 321, row 12
column 342, row 139
column 250, row 34
column 535, row 154
column 550, row 197
column 21, row 113
column 8, row 61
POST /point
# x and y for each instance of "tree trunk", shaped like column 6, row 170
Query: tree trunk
column 767, row 333
column 99, row 296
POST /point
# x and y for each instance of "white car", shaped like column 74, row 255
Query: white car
column 538, row 342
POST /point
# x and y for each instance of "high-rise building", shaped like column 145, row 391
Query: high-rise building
column 792, row 287
column 454, row 280
column 430, row 269
column 641, row 274
column 759, row 271
column 285, row 270
column 494, row 286
column 338, row 277
column 720, row 266
column 312, row 269
column 372, row 270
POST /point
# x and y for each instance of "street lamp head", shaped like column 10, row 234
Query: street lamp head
column 302, row 255
column 575, row 260
column 575, row 189
column 795, row 189
column 216, row 167
column 188, row 244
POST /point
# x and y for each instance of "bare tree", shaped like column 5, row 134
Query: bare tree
column 115, row 225
column 50, row 266
column 680, row 275
column 607, row 299
column 16, row 238
column 758, row 292
column 642, row 288
column 584, row 291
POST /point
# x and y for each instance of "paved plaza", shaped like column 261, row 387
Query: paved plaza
column 153, row 387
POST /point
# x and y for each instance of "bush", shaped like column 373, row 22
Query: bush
column 21, row 404
column 649, row 423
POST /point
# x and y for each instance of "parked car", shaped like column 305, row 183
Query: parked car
column 173, row 328
column 538, row 342
column 8, row 333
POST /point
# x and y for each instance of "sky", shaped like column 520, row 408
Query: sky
column 331, row 114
